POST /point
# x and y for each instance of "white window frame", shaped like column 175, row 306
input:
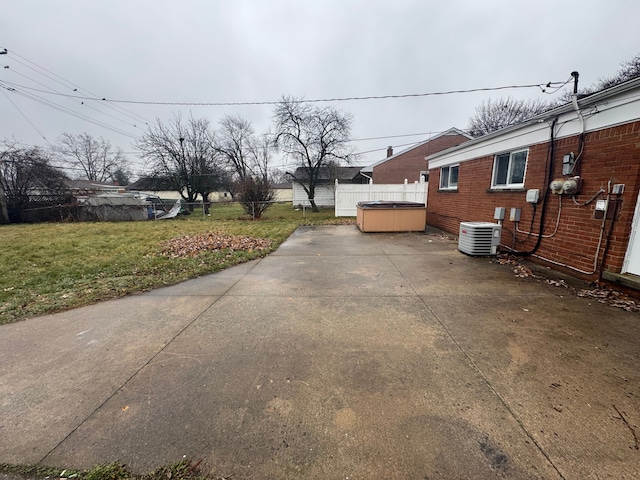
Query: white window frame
column 509, row 183
column 449, row 185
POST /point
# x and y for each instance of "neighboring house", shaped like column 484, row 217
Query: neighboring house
column 590, row 158
column 159, row 188
column 325, row 186
column 89, row 187
column 283, row 192
column 409, row 164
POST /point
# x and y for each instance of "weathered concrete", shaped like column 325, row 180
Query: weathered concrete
column 341, row 355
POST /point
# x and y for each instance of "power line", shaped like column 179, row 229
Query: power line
column 541, row 86
column 555, row 88
column 71, row 85
column 383, row 149
column 13, row 70
column 26, row 118
column 64, row 109
column 353, row 140
column 396, row 136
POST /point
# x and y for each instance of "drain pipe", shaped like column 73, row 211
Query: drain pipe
column 551, row 153
column 606, row 245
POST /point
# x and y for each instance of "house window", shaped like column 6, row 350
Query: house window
column 508, row 170
column 449, row 177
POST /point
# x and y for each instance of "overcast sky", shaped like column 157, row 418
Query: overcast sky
column 258, row 50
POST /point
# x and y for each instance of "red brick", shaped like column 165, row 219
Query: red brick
column 408, row 165
column 609, row 154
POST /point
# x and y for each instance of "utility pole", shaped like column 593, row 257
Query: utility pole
column 4, row 213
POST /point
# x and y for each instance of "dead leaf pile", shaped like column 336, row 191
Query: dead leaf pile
column 599, row 293
column 521, row 271
column 442, row 236
column 192, row 245
column 336, row 221
column 611, row 297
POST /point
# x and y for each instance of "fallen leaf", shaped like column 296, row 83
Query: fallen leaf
column 192, row 245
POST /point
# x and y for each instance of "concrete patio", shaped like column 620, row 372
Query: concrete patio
column 341, row 355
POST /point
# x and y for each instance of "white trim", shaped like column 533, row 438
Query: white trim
column 449, row 186
column 494, row 172
column 609, row 112
column 633, row 240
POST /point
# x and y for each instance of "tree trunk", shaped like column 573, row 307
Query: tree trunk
column 4, row 212
column 205, row 203
column 311, row 195
column 189, row 199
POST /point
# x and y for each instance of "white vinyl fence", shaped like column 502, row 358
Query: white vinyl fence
column 348, row 195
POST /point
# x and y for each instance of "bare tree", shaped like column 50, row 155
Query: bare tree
column 494, row 115
column 278, row 175
column 491, row 116
column 246, row 153
column 628, row 71
column 233, row 141
column 312, row 136
column 88, row 157
column 183, row 154
column 260, row 152
column 26, row 173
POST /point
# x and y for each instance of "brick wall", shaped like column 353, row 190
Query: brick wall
column 611, row 154
column 409, row 165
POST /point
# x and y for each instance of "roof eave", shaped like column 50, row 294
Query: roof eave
column 452, row 130
column 545, row 116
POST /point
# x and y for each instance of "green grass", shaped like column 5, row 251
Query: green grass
column 184, row 470
column 51, row 267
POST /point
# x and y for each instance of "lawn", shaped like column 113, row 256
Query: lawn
column 50, row 267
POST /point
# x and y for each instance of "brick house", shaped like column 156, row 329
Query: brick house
column 584, row 222
column 409, row 164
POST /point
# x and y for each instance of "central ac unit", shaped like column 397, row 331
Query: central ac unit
column 479, row 238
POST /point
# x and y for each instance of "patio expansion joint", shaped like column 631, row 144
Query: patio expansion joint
column 475, row 367
column 151, row 359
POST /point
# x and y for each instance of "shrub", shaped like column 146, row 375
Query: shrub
column 255, row 195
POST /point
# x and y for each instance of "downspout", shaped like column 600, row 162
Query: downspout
column 370, row 182
column 608, row 242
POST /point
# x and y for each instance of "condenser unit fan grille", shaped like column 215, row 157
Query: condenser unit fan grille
column 479, row 238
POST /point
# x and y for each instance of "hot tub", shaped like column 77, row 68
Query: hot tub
column 391, row 216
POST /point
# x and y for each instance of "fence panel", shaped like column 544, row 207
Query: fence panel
column 348, row 195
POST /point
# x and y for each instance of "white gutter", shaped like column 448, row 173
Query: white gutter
column 534, row 130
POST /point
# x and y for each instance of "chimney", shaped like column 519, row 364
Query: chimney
column 389, row 151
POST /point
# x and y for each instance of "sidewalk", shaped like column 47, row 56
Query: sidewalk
column 341, row 355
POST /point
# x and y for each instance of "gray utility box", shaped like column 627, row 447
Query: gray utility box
column 479, row 238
